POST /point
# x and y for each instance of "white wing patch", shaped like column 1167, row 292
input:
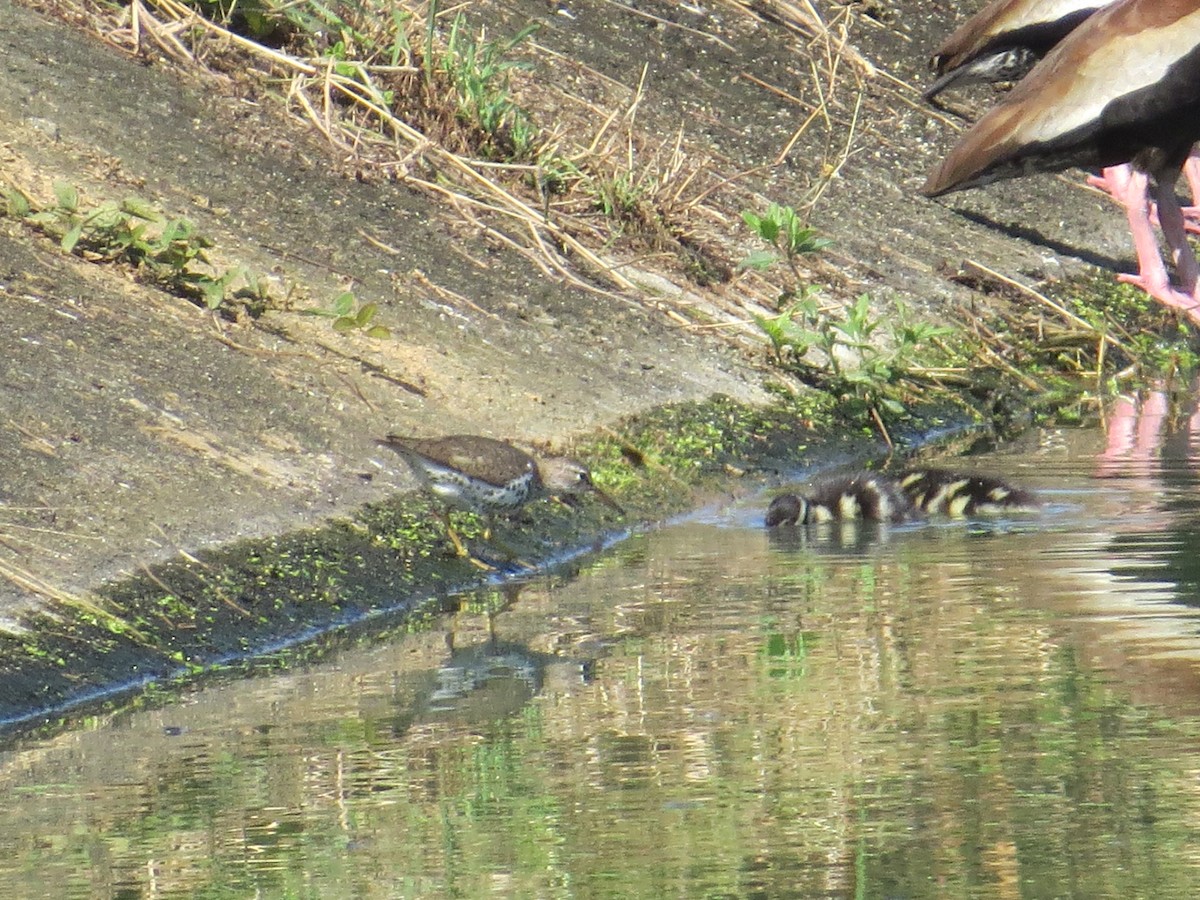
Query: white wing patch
column 1129, row 64
column 1047, row 11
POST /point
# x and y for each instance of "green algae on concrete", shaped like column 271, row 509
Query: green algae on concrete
column 199, row 613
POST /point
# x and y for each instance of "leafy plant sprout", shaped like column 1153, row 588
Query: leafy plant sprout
column 870, row 376
column 169, row 253
column 348, row 315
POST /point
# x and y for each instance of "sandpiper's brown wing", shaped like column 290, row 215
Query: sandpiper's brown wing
column 486, row 459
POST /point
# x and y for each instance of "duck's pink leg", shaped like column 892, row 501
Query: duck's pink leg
column 1187, row 269
column 1112, row 180
column 1191, row 172
column 1133, row 190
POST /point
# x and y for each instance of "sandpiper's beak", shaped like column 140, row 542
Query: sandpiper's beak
column 608, row 501
column 572, row 498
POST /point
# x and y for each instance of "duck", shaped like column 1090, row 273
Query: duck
column 939, row 492
column 1004, row 40
column 866, row 496
column 1122, row 88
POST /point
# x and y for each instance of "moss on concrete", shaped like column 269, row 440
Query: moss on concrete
column 196, row 615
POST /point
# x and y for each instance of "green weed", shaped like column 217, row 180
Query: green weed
column 348, row 315
column 169, row 253
column 872, row 374
column 254, row 18
column 479, row 70
column 788, row 239
column 620, row 196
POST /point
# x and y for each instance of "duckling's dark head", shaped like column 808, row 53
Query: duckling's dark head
column 787, row 509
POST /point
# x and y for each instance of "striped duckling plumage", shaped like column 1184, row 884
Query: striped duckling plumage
column 909, row 497
column 865, row 496
column 938, row 492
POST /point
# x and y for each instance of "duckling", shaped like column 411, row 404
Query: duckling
column 956, row 494
column 862, row 496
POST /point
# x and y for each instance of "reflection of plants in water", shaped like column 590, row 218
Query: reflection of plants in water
column 801, row 713
column 786, row 653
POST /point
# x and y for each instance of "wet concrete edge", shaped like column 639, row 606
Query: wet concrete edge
column 283, row 597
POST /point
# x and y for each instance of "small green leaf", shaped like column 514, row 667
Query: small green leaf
column 343, row 324
column 806, row 241
column 759, row 259
column 768, row 229
column 142, row 209
column 43, row 220
column 71, row 238
column 177, row 230
column 379, row 331
column 214, row 293
column 365, row 314
column 67, row 196
column 17, row 204
column 343, row 304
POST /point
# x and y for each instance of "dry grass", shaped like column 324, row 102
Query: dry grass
column 598, row 200
column 601, row 202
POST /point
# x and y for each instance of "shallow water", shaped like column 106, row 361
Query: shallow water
column 999, row 708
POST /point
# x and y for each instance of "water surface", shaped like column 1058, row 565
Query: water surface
column 994, row 709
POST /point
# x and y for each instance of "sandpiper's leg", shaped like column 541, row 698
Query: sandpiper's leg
column 461, row 549
column 513, row 555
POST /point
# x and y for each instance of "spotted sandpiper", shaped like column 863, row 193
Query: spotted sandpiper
column 489, row 476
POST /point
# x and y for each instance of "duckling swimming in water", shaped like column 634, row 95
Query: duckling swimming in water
column 863, row 496
column 956, row 494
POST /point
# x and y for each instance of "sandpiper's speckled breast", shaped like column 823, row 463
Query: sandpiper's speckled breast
column 471, row 470
column 454, row 486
